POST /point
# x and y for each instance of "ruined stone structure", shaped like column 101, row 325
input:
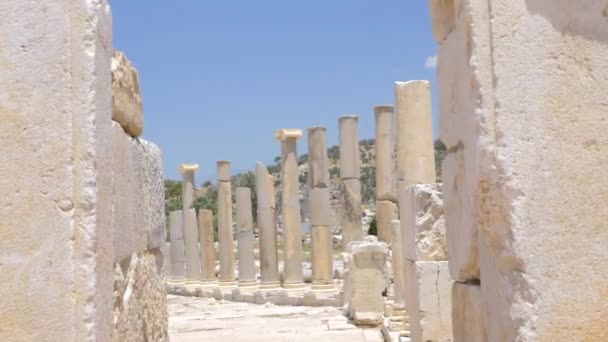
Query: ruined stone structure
column 267, row 228
column 82, row 205
column 526, row 241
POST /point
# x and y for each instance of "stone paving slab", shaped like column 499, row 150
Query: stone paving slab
column 206, row 319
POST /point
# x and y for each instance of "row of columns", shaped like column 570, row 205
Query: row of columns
column 404, row 156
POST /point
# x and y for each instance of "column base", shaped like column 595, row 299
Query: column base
column 208, row 283
column 270, row 286
column 248, row 284
column 227, row 284
column 323, row 288
column 295, row 286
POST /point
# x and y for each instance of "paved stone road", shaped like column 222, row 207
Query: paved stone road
column 204, row 319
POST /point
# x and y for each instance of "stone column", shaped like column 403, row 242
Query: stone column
column 269, row 265
column 193, row 262
column 386, row 198
column 398, row 320
column 293, row 275
column 350, row 174
column 224, row 222
column 318, row 183
column 245, row 238
column 176, row 235
column 206, row 238
column 190, row 228
column 188, row 185
column 415, row 151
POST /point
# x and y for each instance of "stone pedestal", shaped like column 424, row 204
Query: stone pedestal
column 415, row 151
column 225, row 228
column 293, row 278
column 350, row 173
column 245, row 238
column 193, row 262
column 206, row 238
column 365, row 282
column 269, row 268
column 178, row 258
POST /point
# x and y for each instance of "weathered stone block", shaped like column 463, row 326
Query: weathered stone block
column 140, row 299
column 350, row 163
column 423, row 224
column 320, row 207
column 153, row 195
column 386, row 186
column 352, row 226
column 55, row 162
column 428, row 300
column 386, row 211
column 443, row 18
column 318, row 172
column 126, row 96
column 467, row 317
column 366, row 281
column 178, row 248
column 223, row 171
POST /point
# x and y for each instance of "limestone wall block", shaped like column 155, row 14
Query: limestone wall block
column 467, row 316
column 428, row 300
column 318, row 172
column 140, row 299
column 130, row 230
column 350, row 163
column 423, row 223
column 55, row 162
column 126, row 95
column 153, row 194
column 320, row 207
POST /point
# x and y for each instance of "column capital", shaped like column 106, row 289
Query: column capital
column 287, row 133
column 185, row 168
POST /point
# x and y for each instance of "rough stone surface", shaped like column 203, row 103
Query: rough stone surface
column 533, row 206
column 467, row 313
column 126, row 96
column 423, row 224
column 352, row 225
column 153, row 195
column 443, row 18
column 365, row 281
column 428, row 300
column 55, row 161
column 140, row 305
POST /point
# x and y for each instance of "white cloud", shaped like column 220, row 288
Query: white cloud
column 431, row 62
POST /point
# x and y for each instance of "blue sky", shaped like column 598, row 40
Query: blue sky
column 218, row 77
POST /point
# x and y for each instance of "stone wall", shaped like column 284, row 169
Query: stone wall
column 522, row 107
column 79, row 254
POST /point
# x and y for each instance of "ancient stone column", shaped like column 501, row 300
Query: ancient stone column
column 206, row 238
column 269, row 265
column 178, row 261
column 415, row 151
column 293, row 275
column 318, row 182
column 350, row 173
column 224, row 222
column 188, row 185
column 245, row 238
column 386, row 198
column 193, row 262
column 193, row 267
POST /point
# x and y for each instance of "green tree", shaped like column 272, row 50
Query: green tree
column 373, row 227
